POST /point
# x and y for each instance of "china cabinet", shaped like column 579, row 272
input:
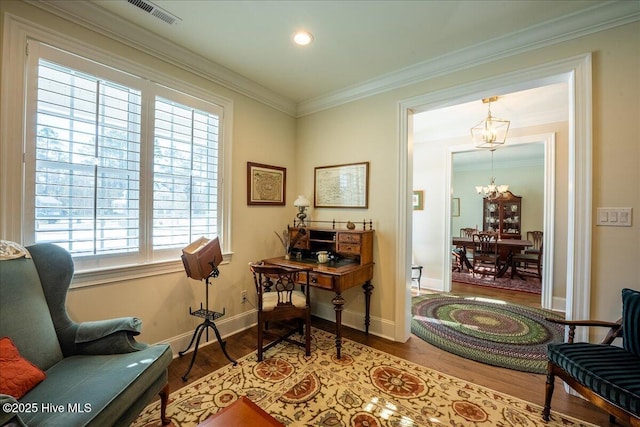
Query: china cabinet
column 503, row 215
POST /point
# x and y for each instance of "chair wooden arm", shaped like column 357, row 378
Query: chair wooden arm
column 614, row 332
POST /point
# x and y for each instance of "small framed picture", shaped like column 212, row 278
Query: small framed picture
column 455, row 206
column 266, row 185
column 418, row 200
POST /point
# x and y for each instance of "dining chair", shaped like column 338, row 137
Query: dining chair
column 465, row 232
column 536, row 238
column 280, row 301
column 521, row 262
column 486, row 259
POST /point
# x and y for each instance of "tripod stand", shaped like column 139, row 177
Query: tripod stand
column 209, row 317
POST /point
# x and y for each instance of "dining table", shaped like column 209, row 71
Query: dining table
column 511, row 246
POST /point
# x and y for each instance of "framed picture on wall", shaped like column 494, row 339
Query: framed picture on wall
column 455, row 206
column 341, row 186
column 266, row 185
column 418, row 200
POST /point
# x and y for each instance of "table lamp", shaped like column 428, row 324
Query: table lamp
column 301, row 203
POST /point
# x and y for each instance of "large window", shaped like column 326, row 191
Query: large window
column 119, row 170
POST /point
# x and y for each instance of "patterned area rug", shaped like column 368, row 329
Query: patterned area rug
column 500, row 334
column 531, row 285
column 364, row 388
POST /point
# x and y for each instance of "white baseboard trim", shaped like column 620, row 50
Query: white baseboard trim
column 226, row 326
column 377, row 326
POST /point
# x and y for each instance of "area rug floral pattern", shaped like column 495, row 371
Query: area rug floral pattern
column 507, row 335
column 364, row 388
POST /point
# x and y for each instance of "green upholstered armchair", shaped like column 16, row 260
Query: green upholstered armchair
column 96, row 372
column 606, row 375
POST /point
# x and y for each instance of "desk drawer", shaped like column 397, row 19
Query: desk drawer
column 349, row 238
column 349, row 248
column 318, row 280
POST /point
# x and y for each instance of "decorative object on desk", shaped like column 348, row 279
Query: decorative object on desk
column 266, row 185
column 323, row 257
column 342, row 186
column 286, row 241
column 455, row 206
column 202, row 256
column 302, row 203
column 491, row 132
column 499, row 334
column 355, row 390
column 493, row 190
column 350, row 225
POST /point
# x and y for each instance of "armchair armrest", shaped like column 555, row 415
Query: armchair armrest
column 614, row 332
column 110, row 336
column 6, row 416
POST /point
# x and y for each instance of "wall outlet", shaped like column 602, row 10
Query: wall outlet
column 244, row 297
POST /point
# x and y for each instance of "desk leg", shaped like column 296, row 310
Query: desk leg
column 338, row 303
column 368, row 288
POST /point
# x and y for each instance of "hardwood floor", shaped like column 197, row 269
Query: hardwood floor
column 523, row 385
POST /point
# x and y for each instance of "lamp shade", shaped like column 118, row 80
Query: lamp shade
column 301, row 201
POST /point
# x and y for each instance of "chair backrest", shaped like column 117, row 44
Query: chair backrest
column 281, row 283
column 631, row 321
column 484, row 243
column 467, row 232
column 536, row 238
column 25, row 314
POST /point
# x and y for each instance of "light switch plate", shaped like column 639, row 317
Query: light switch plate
column 615, row 217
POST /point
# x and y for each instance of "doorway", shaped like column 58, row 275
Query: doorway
column 576, row 71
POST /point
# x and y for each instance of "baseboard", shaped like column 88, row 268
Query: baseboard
column 377, row 326
column 226, row 326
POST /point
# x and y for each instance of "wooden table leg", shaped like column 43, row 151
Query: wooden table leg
column 338, row 303
column 368, row 288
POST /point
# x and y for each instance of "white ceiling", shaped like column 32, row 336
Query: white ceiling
column 361, row 47
column 354, row 40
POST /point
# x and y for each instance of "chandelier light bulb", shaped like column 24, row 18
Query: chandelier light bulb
column 302, row 38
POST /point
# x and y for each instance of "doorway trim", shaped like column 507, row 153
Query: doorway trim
column 548, row 141
column 577, row 72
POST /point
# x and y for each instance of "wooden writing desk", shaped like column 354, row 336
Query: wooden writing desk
column 337, row 277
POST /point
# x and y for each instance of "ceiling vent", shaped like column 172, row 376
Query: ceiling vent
column 156, row 11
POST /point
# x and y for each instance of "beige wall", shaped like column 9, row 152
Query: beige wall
column 367, row 130
column 260, row 134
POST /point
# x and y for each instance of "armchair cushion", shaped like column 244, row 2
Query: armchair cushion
column 630, row 316
column 17, row 374
column 610, row 371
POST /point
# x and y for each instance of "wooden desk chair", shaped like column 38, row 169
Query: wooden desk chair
column 485, row 254
column 465, row 232
column 280, row 301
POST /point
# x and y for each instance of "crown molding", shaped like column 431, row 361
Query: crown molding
column 603, row 16
column 95, row 18
column 600, row 17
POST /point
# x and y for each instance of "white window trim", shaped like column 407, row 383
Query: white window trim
column 16, row 33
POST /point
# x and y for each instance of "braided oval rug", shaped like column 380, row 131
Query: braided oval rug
column 499, row 334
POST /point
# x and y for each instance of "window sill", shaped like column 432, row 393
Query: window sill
column 87, row 278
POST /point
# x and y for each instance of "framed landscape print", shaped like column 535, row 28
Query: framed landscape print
column 341, row 186
column 266, row 185
column 418, row 200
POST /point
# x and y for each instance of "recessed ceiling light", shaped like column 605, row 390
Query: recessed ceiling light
column 302, row 38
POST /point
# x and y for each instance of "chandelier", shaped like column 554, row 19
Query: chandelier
column 491, row 131
column 493, row 190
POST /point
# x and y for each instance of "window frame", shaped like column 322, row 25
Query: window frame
column 13, row 155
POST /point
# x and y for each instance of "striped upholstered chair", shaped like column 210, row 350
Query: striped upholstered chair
column 606, row 375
